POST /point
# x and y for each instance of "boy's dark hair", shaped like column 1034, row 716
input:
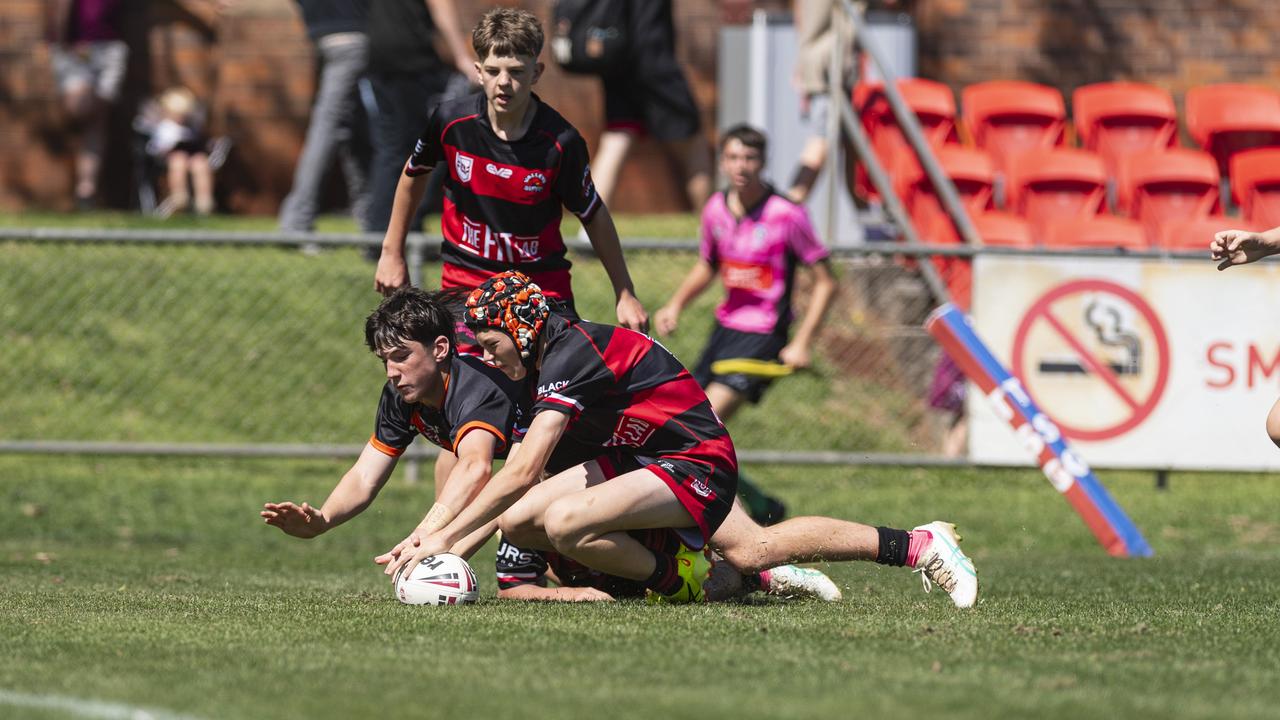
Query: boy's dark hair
column 413, row 314
column 746, row 135
column 507, row 32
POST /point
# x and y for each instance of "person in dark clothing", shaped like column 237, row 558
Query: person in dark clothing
column 337, row 27
column 409, row 79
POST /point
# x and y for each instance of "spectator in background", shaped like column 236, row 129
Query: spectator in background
column 754, row 238
column 337, row 27
column 409, row 80
column 649, row 95
column 89, row 63
column 814, row 40
column 174, row 124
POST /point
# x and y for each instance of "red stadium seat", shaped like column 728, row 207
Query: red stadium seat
column 970, row 169
column 1156, row 186
column 934, row 106
column 1007, row 118
column 1196, row 233
column 1101, row 231
column 1228, row 118
column 1115, row 119
column 1255, row 183
column 1045, row 185
column 995, row 228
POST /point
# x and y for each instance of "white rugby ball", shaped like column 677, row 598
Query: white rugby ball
column 443, row 579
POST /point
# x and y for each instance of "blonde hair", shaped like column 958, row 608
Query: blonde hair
column 507, row 32
column 178, row 101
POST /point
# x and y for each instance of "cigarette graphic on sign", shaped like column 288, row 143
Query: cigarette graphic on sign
column 1065, row 470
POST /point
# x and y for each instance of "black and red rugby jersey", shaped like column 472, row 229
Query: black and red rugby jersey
column 502, row 203
column 623, row 390
column 476, row 397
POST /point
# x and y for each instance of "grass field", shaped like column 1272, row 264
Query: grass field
column 134, row 588
column 150, row 584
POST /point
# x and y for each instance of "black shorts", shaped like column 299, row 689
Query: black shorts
column 725, row 344
column 706, row 489
column 650, row 95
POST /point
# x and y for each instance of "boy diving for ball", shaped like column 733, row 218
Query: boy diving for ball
column 456, row 401
column 631, row 443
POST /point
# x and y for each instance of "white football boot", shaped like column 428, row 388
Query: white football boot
column 944, row 564
column 792, row 581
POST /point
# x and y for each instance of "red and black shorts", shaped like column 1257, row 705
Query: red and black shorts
column 706, row 489
column 650, row 94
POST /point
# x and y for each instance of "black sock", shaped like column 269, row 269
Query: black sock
column 664, row 580
column 893, row 546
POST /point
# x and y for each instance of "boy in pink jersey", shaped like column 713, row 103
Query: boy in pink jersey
column 755, row 238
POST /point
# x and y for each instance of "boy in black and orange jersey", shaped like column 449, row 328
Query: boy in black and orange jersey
column 513, row 164
column 456, row 401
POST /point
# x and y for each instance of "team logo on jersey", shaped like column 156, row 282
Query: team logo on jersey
column 700, row 486
column 588, row 187
column 462, row 164
column 631, row 431
column 535, row 182
column 504, row 173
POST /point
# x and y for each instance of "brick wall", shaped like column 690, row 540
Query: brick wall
column 254, row 66
column 1175, row 44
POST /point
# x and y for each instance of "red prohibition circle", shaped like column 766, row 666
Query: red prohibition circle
column 1144, row 409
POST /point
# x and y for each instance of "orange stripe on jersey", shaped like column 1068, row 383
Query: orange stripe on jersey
column 478, row 425
column 384, row 448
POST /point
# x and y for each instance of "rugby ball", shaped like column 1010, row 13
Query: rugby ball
column 443, row 579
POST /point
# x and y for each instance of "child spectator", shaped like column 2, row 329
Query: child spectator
column 175, row 125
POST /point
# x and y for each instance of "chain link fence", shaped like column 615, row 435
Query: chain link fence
column 154, row 343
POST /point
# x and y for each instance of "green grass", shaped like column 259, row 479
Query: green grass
column 152, row 583
column 168, row 343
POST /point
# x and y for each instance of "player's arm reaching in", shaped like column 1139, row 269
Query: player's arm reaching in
column 797, row 353
column 1238, row 247
column 469, row 475
column 604, row 240
column 353, row 493
column 667, row 319
column 521, row 471
column 393, row 272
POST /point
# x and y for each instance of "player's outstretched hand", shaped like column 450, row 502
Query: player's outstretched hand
column 392, row 274
column 666, row 320
column 409, row 552
column 301, row 521
column 1238, row 247
column 795, row 356
column 631, row 314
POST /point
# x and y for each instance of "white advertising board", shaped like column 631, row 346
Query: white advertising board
column 1141, row 362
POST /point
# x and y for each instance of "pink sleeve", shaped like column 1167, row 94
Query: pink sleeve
column 706, row 244
column 804, row 241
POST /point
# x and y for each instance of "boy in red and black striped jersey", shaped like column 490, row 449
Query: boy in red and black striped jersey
column 457, row 402
column 633, row 444
column 513, row 163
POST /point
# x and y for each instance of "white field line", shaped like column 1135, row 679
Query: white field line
column 81, row 707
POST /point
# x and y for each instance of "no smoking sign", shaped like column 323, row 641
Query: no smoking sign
column 1095, row 357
